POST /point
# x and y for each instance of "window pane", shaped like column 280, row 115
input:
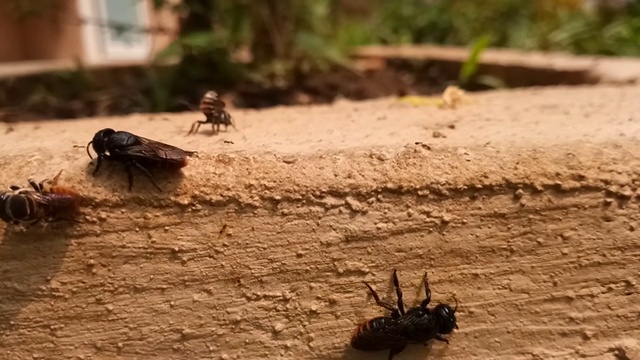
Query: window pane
column 124, row 21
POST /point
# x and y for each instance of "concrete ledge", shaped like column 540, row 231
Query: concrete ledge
column 527, row 211
column 569, row 69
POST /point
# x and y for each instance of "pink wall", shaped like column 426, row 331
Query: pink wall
column 58, row 34
column 10, row 43
column 54, row 35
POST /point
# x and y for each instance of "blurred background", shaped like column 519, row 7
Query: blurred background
column 79, row 58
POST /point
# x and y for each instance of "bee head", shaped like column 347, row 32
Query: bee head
column 446, row 318
column 99, row 141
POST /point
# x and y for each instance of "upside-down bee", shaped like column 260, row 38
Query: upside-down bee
column 136, row 151
column 46, row 201
column 415, row 326
column 213, row 109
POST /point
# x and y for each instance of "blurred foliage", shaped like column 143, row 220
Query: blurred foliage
column 297, row 36
column 274, row 45
column 608, row 28
column 286, row 39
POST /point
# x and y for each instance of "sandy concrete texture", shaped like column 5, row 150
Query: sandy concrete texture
column 524, row 206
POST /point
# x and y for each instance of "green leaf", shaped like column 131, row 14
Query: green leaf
column 316, row 46
column 470, row 66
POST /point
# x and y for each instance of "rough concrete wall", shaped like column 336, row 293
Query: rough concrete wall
column 527, row 211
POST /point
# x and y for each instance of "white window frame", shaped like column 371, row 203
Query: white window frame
column 98, row 47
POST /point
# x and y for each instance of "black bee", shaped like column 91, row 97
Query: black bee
column 136, row 151
column 415, row 326
column 46, row 201
column 213, row 109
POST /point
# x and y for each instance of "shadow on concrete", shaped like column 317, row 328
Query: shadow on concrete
column 28, row 261
column 114, row 176
column 410, row 352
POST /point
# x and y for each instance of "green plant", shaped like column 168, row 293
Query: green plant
column 537, row 24
column 469, row 71
column 470, row 66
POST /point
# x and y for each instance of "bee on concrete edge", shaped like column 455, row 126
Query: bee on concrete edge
column 415, row 326
column 45, row 202
column 213, row 109
column 136, row 151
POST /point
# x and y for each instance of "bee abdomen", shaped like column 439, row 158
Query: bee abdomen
column 62, row 204
column 366, row 336
column 211, row 103
column 18, row 207
column 62, row 190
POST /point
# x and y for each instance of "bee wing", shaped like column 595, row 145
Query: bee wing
column 41, row 198
column 218, row 104
column 151, row 149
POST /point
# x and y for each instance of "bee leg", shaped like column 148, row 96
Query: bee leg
column 35, row 185
column 14, row 187
column 53, row 182
column 147, row 173
column 98, row 163
column 394, row 312
column 195, row 127
column 127, row 168
column 440, row 338
column 427, row 292
column 41, row 184
column 395, row 351
column 396, row 284
column 232, row 122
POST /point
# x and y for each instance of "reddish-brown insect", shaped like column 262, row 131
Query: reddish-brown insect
column 46, row 201
column 136, row 151
column 213, row 109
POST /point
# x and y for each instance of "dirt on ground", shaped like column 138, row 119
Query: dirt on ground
column 523, row 204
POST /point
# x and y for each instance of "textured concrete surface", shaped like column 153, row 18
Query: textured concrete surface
column 524, row 206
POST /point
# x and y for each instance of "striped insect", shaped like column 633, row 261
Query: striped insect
column 417, row 325
column 44, row 201
column 213, row 109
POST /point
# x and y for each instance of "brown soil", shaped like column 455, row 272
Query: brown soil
column 526, row 209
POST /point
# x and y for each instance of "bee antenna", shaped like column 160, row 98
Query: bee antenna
column 89, row 144
column 456, row 300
